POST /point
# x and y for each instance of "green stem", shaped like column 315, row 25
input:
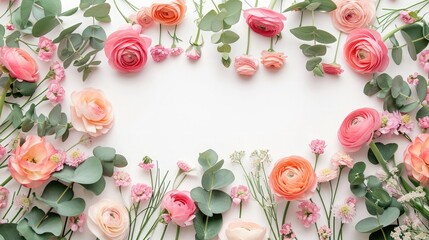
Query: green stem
column 285, row 212
column 177, row 232
column 272, row 3
column 315, row 162
column 174, row 37
column 241, row 209
column 248, row 41
column 324, row 206
column 4, row 93
column 16, row 215
column 160, row 34
column 379, row 158
column 340, row 232
column 6, row 181
column 336, row 50
column 43, row 218
column 391, row 33
column 163, row 232
column 119, row 10
column 271, row 49
column 134, row 7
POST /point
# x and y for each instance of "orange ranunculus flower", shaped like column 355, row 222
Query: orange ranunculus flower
column 31, row 164
column 168, row 12
column 293, row 178
column 416, row 159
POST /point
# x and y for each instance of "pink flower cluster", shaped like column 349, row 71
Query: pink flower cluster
column 317, row 146
column 308, row 213
column 240, row 194
column 394, row 123
column 121, row 179
column 56, row 92
column 287, row 232
column 424, row 60
column 147, row 163
column 76, row 158
column 4, row 194
column 141, row 192
column 46, row 49
column 338, row 160
column 77, row 223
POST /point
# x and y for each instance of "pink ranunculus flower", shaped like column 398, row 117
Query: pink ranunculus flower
column 179, row 206
column 246, row 65
column 240, row 230
column 32, row 164
column 353, row 14
column 365, row 51
column 19, row 64
column 264, row 21
column 46, row 49
column 358, row 128
column 273, row 60
column 332, row 68
column 416, row 159
column 143, row 18
column 108, row 220
column 127, row 49
column 91, row 112
column 4, row 195
column 424, row 60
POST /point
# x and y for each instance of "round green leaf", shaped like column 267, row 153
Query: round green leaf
column 45, row 25
column 106, row 154
column 368, row 225
column 389, row 216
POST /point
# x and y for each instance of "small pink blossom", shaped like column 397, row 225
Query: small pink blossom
column 147, row 163
column 22, row 202
column 10, row 27
column 141, row 192
column 332, row 68
column 327, row 174
column 389, row 124
column 2, row 151
column 287, row 232
column 246, row 65
column 346, row 211
column 183, row 166
column 341, row 159
column 159, row 53
column 55, row 92
column 239, row 194
column 424, row 60
column 193, row 52
column 406, row 125
column 317, row 146
column 57, row 72
column 76, row 158
column 4, row 194
column 60, row 158
column 412, row 79
column 46, row 49
column 324, row 232
column 166, row 218
column 121, row 179
column 77, row 223
column 308, row 213
column 176, row 51
column 424, row 122
column 405, row 17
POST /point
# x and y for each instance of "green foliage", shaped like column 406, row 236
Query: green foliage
column 387, row 151
column 45, row 25
column 416, row 42
column 2, row 33
column 100, row 12
column 8, row 231
column 211, row 201
column 28, row 233
column 42, row 222
column 313, row 5
column 372, row 224
column 310, row 33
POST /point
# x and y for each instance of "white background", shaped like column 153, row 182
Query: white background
column 176, row 109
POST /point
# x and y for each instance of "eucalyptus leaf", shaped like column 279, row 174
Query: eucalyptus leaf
column 2, row 33
column 207, row 228
column 51, row 7
column 9, row 231
column 100, row 10
column 69, row 12
column 42, row 222
column 45, row 25
column 324, row 37
column 313, row 63
column 25, row 12
column 396, row 50
column 306, row 33
column 106, row 154
column 66, row 32
column 207, row 159
column 25, row 231
column 368, row 225
column 421, row 88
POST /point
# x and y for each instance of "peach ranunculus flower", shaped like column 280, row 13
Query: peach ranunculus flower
column 108, row 220
column 293, row 178
column 358, row 128
column 168, row 12
column 31, row 164
column 416, row 159
column 353, row 14
column 142, row 18
column 126, row 49
column 91, row 112
column 264, row 21
column 273, row 60
column 241, row 230
column 365, row 51
column 19, row 64
column 246, row 65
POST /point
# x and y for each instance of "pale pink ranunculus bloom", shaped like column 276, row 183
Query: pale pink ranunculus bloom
column 179, row 206
column 91, row 112
column 264, row 21
column 357, row 129
column 46, row 49
column 127, row 49
column 327, row 174
column 240, row 230
column 416, row 158
column 365, row 51
column 332, row 68
column 246, row 65
column 353, row 14
column 4, row 195
column 424, row 60
column 31, row 164
column 55, row 92
column 19, row 64
column 143, row 18
column 342, row 159
column 273, row 60
column 108, row 220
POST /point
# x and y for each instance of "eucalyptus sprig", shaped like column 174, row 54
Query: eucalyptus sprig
column 210, row 199
column 392, row 15
column 219, row 21
column 311, row 33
